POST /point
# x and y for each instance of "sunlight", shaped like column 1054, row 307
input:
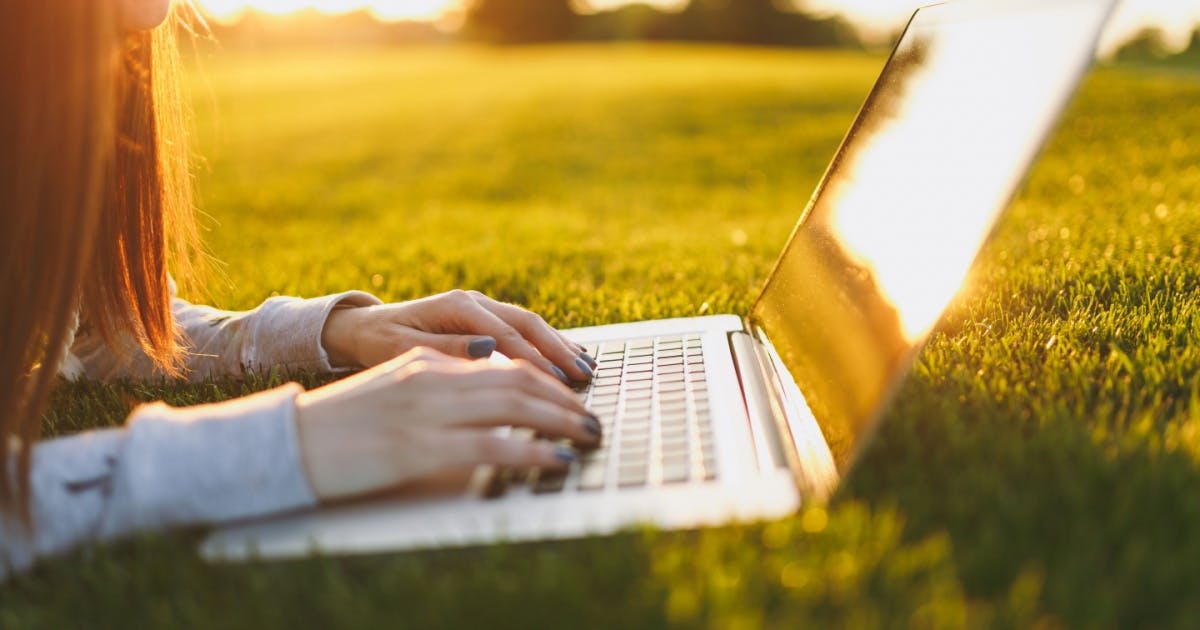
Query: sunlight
column 877, row 19
column 888, row 241
column 384, row 9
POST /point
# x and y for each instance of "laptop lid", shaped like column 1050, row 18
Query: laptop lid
column 966, row 101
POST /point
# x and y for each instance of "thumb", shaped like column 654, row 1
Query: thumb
column 465, row 346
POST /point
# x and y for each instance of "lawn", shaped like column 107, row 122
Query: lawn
column 1041, row 466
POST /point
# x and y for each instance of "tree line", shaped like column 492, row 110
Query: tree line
column 761, row 22
column 758, row 22
column 1150, row 45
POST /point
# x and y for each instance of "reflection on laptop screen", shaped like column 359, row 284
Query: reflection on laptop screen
column 960, row 111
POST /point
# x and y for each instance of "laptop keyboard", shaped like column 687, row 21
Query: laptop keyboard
column 651, row 395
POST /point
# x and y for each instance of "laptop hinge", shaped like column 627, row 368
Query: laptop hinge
column 772, row 453
column 778, row 422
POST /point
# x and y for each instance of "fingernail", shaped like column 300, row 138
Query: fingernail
column 590, row 361
column 481, row 348
column 583, row 367
column 562, row 376
column 565, row 454
column 592, row 425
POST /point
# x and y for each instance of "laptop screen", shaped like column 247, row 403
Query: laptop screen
column 939, row 148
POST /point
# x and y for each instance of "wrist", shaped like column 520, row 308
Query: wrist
column 338, row 337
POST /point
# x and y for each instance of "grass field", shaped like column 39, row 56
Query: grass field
column 1041, row 467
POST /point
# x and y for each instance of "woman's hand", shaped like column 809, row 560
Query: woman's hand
column 425, row 413
column 458, row 323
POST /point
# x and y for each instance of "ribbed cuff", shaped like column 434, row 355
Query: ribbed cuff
column 295, row 328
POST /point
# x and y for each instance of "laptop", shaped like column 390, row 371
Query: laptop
column 722, row 419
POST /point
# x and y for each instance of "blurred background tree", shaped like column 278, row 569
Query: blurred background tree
column 520, row 21
column 1149, row 44
column 762, row 22
column 1193, row 49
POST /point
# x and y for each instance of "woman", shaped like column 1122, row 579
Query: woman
column 94, row 191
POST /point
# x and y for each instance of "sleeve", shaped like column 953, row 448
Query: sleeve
column 166, row 468
column 283, row 332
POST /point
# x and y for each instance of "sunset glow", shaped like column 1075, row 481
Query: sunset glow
column 384, row 9
column 876, row 17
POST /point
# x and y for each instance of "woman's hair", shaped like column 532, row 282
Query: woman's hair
column 95, row 195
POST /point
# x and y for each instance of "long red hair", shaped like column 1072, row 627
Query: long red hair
column 96, row 197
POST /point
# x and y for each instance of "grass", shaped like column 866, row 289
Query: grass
column 1041, row 466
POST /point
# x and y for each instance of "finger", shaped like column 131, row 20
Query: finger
column 583, row 353
column 509, row 407
column 524, row 377
column 471, row 448
column 508, row 339
column 545, row 338
column 464, row 346
column 419, row 354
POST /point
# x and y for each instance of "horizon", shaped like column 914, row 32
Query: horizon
column 875, row 19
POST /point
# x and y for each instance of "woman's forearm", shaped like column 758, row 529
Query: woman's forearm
column 167, row 467
column 282, row 332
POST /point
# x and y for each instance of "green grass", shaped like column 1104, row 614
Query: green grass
column 1041, row 467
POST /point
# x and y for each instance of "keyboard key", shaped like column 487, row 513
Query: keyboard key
column 675, row 450
column 638, row 394
column 634, row 434
column 675, row 445
column 591, row 476
column 632, row 475
column 710, row 467
column 674, row 418
column 605, row 409
column 549, row 481
column 676, row 473
column 671, row 399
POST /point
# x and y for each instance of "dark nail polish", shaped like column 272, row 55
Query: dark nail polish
column 583, row 367
column 592, row 425
column 566, row 454
column 481, row 348
column 590, row 361
column 562, row 376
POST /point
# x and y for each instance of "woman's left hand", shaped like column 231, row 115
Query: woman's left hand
column 458, row 323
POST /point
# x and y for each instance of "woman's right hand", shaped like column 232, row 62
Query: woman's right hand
column 424, row 413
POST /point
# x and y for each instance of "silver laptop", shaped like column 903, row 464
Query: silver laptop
column 722, row 419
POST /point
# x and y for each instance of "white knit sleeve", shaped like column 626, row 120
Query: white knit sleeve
column 283, row 332
column 166, row 468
